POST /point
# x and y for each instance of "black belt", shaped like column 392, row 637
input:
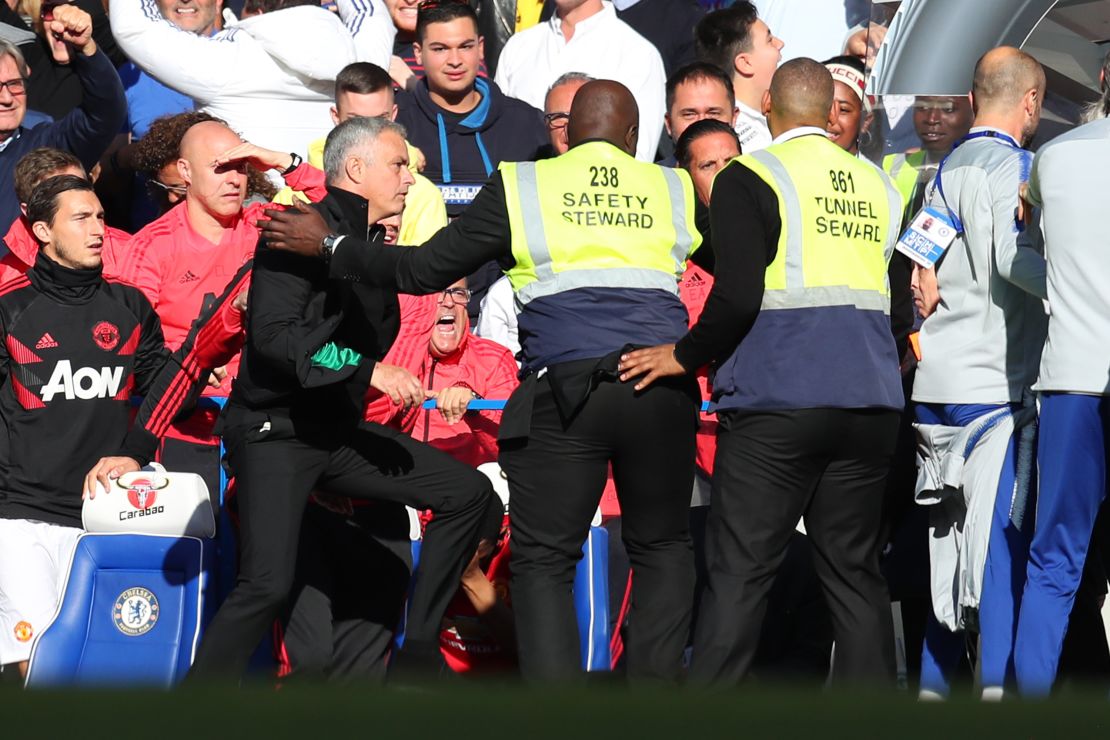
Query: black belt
column 571, row 384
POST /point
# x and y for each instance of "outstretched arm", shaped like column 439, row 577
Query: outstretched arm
column 479, row 236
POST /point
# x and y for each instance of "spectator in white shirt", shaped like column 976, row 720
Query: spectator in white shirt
column 737, row 41
column 270, row 76
column 586, row 36
column 498, row 317
column 816, row 29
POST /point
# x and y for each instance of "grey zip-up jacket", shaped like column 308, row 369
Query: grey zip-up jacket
column 983, row 343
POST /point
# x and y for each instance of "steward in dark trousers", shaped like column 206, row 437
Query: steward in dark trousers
column 293, row 423
column 594, row 243
column 809, row 396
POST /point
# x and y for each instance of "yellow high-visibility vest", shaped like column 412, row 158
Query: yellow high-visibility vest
column 822, row 338
column 903, row 169
column 839, row 225
column 596, row 217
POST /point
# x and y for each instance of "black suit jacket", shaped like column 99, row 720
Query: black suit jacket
column 312, row 340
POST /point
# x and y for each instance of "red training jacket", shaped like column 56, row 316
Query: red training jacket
column 486, row 368
column 178, row 270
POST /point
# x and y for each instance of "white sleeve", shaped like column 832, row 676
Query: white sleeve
column 161, row 48
column 371, row 28
column 505, row 63
column 497, row 320
column 651, row 95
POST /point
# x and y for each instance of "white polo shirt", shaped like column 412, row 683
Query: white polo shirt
column 1069, row 180
column 602, row 46
column 751, row 129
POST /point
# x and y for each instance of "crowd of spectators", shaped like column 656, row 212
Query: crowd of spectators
column 193, row 116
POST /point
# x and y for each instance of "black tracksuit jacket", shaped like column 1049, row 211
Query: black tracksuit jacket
column 75, row 349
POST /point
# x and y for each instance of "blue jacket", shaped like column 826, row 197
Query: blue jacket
column 86, row 131
column 466, row 150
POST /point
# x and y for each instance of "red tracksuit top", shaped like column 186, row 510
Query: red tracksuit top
column 486, row 368
column 465, row 642
column 178, row 270
column 694, row 289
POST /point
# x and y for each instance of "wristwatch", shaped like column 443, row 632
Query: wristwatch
column 294, row 164
column 327, row 246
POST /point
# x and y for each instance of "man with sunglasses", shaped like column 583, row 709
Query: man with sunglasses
column 86, row 131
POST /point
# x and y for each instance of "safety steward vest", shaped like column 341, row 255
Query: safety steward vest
column 903, row 169
column 596, row 235
column 822, row 337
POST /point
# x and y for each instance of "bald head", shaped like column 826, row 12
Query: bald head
column 604, row 110
column 207, row 139
column 1003, row 77
column 801, row 94
column 217, row 191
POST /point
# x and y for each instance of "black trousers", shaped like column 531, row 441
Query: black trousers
column 181, row 456
column 349, row 592
column 773, row 468
column 277, row 470
column 556, row 478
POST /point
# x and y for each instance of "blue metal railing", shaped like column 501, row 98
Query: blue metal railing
column 486, row 404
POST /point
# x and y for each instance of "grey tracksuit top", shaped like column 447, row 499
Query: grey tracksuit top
column 1070, row 181
column 983, row 343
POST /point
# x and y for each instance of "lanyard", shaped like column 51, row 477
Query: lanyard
column 1002, row 138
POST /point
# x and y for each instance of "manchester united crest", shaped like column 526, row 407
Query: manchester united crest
column 24, row 632
column 135, row 612
column 106, row 335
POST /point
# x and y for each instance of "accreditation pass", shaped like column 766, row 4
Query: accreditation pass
column 927, row 237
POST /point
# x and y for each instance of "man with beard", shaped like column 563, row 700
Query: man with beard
column 980, row 348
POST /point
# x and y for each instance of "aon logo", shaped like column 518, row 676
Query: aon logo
column 85, row 383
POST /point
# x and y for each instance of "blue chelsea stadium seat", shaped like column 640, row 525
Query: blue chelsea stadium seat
column 131, row 614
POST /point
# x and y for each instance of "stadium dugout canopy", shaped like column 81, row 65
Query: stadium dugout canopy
column 929, row 47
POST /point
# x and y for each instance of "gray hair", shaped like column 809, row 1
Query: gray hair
column 568, row 77
column 8, row 49
column 351, row 135
column 1101, row 107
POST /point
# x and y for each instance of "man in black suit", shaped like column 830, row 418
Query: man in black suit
column 294, row 423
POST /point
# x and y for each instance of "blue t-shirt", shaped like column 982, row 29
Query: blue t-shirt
column 148, row 99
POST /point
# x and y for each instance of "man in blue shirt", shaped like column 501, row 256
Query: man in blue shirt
column 86, row 131
column 147, row 98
